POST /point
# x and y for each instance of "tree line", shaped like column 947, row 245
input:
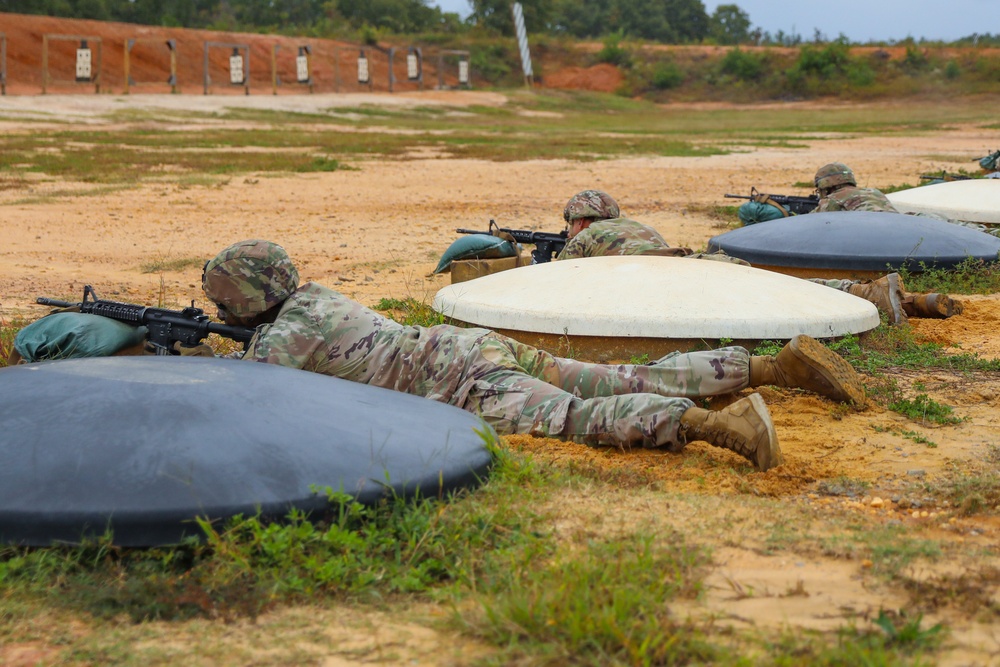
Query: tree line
column 664, row 21
column 667, row 21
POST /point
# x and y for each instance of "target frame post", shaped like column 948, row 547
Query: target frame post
column 84, row 41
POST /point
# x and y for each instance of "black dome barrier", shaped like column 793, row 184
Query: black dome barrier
column 855, row 244
column 144, row 445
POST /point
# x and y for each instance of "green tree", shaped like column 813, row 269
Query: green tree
column 667, row 21
column 586, row 18
column 688, row 18
column 496, row 15
column 729, row 25
column 182, row 13
column 394, row 15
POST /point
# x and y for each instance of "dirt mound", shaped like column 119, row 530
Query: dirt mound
column 603, row 78
column 333, row 64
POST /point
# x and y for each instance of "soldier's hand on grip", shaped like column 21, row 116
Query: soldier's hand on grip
column 199, row 350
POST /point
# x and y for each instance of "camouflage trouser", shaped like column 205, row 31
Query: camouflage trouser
column 992, row 231
column 841, row 285
column 520, row 389
column 719, row 256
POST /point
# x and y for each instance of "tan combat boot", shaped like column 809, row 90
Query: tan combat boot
column 940, row 306
column 886, row 293
column 744, row 427
column 805, row 363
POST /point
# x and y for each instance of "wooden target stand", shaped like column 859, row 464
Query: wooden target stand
column 303, row 68
column 88, row 67
column 3, row 64
column 364, row 68
column 414, row 66
column 171, row 45
column 239, row 64
column 464, row 70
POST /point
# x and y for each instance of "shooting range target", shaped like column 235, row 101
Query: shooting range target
column 84, row 60
column 302, row 66
column 364, row 76
column 236, row 74
column 412, row 66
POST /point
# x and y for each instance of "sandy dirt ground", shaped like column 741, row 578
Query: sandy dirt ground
column 378, row 230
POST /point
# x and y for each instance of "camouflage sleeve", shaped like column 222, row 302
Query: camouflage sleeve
column 295, row 340
column 574, row 249
column 826, row 204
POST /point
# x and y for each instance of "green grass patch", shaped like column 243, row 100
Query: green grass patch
column 894, row 638
column 576, row 126
column 8, row 331
column 767, row 348
column 909, row 435
column 889, row 547
column 164, row 264
column 605, row 605
column 843, row 486
column 351, row 551
column 62, row 193
column 320, row 163
column 410, row 312
column 972, row 276
column 926, row 410
column 973, row 492
column 887, row 347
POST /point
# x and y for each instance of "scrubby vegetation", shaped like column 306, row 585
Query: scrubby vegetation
column 736, row 61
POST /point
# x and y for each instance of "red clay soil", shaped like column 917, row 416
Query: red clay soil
column 333, row 63
column 604, row 78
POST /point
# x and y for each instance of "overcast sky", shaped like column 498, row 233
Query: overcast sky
column 860, row 20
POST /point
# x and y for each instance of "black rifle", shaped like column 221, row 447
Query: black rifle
column 547, row 245
column 945, row 177
column 989, row 163
column 189, row 326
column 794, row 205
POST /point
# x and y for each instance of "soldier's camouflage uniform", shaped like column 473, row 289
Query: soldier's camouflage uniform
column 622, row 236
column 853, row 198
column 514, row 387
column 618, row 236
column 843, row 285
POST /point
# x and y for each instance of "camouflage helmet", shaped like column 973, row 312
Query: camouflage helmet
column 250, row 277
column 591, row 205
column 831, row 175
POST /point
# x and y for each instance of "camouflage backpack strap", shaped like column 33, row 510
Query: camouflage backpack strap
column 764, row 198
column 669, row 252
column 14, row 358
column 506, row 236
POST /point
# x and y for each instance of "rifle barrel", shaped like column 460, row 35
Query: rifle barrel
column 44, row 301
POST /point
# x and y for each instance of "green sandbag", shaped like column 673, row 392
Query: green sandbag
column 990, row 162
column 753, row 212
column 74, row 335
column 476, row 246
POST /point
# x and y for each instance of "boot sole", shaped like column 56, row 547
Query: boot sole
column 835, row 370
column 895, row 289
column 772, row 456
column 942, row 305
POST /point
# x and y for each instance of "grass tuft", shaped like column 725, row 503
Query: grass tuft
column 972, row 276
column 163, row 264
column 410, row 312
column 605, row 605
column 925, row 410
